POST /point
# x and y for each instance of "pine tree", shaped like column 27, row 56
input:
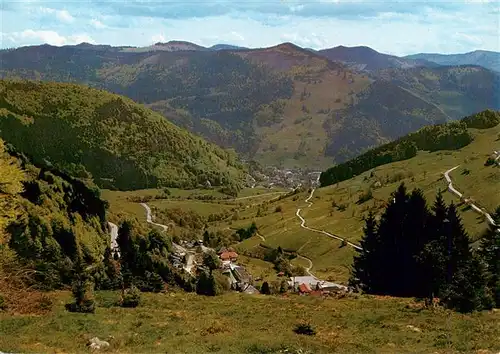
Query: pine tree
column 490, row 253
column 206, row 284
column 390, row 231
column 265, row 288
column 366, row 274
column 433, row 257
column 112, row 271
column 465, row 287
column 211, row 261
column 412, row 241
column 82, row 289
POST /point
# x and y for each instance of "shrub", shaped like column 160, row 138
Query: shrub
column 82, row 289
column 366, row 196
column 304, row 328
column 490, row 161
column 342, row 207
column 279, row 209
column 131, row 297
column 265, row 288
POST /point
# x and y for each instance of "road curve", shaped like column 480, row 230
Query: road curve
column 178, row 247
column 450, row 184
column 149, row 217
column 113, row 230
column 460, row 195
column 303, row 224
column 308, row 269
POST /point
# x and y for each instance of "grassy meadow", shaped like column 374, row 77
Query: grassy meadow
column 239, row 323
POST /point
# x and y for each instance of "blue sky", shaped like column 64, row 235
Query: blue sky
column 395, row 27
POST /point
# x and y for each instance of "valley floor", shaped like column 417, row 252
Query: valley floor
column 239, row 323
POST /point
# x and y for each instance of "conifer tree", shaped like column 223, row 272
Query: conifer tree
column 389, row 231
column 490, row 253
column 206, row 284
column 411, row 242
column 265, row 288
column 465, row 286
column 432, row 258
column 366, row 275
column 82, row 289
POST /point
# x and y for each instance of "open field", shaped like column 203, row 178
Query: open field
column 239, row 323
column 121, row 203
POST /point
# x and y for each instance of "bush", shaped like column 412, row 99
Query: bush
column 366, row 196
column 490, row 161
column 279, row 209
column 304, row 328
column 131, row 297
column 86, row 306
column 342, row 207
column 82, row 290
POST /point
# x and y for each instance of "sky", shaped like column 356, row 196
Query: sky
column 389, row 26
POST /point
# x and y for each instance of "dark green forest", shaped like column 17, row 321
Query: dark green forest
column 416, row 252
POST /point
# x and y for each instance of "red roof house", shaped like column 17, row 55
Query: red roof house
column 229, row 256
column 304, row 289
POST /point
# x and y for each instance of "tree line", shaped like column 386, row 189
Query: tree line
column 449, row 136
column 416, row 252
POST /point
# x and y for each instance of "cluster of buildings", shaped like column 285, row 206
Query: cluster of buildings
column 285, row 178
column 239, row 278
column 309, row 285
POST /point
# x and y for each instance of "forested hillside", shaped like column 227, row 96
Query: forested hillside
column 54, row 235
column 282, row 105
column 49, row 220
column 449, row 136
column 91, row 133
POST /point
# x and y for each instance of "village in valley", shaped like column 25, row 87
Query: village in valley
column 190, row 256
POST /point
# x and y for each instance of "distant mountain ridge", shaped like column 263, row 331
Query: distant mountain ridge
column 484, row 58
column 365, row 58
column 282, row 105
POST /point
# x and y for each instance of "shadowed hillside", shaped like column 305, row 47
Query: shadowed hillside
column 92, row 133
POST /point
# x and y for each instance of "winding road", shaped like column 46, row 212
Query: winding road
column 113, row 230
column 303, row 224
column 308, row 269
column 149, row 217
column 460, row 195
column 189, row 255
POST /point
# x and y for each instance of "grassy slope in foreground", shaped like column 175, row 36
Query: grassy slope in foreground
column 239, row 323
column 423, row 171
column 120, row 143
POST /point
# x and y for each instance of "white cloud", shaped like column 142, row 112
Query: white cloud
column 97, row 24
column 238, row 36
column 64, row 16
column 79, row 38
column 158, row 38
column 61, row 15
column 396, row 28
column 30, row 36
